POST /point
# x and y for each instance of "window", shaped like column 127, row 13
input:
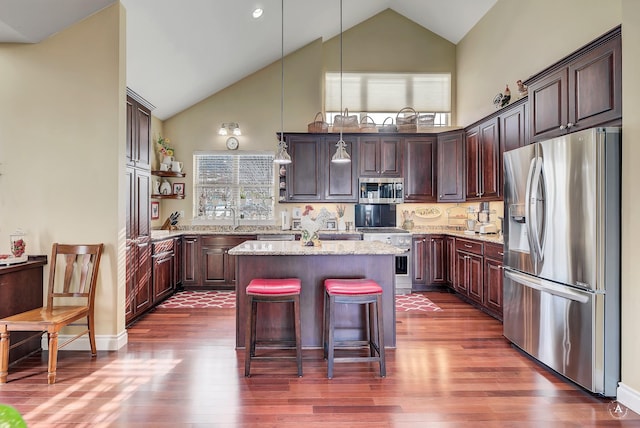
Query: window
column 380, row 95
column 227, row 185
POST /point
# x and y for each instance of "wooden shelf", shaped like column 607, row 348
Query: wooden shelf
column 168, row 174
column 172, row 196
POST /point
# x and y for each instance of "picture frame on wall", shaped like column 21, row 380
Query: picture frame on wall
column 178, row 189
column 155, row 210
column 296, row 212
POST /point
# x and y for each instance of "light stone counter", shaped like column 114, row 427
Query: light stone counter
column 261, row 230
column 295, row 248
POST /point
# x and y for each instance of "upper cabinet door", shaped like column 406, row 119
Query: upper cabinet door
column 304, row 176
column 340, row 179
column 483, row 168
column 420, row 169
column 451, row 167
column 513, row 128
column 380, row 156
column 595, row 86
column 549, row 106
column 138, row 146
column 584, row 90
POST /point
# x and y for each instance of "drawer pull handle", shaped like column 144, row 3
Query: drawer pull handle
column 501, row 253
column 468, row 246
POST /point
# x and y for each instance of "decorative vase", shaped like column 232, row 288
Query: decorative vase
column 342, row 226
column 407, row 225
column 18, row 244
column 310, row 239
column 165, row 188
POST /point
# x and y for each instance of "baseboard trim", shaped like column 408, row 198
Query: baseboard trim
column 103, row 342
column 629, row 397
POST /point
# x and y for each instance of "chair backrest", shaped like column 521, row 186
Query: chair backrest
column 77, row 275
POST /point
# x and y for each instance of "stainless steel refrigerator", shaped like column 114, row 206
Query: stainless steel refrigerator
column 562, row 255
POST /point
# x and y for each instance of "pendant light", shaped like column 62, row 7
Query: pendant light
column 341, row 155
column 282, row 157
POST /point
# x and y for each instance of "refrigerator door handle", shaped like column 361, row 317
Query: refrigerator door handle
column 547, row 286
column 527, row 209
column 533, row 202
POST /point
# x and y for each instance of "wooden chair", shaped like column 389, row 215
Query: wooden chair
column 75, row 284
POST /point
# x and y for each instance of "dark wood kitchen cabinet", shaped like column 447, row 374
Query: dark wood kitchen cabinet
column 493, row 279
column 138, row 286
column 469, row 265
column 420, row 169
column 428, row 262
column 138, row 149
column 21, row 290
column 514, row 127
column 138, row 244
column 380, row 156
column 436, row 260
column 581, row 91
column 190, row 260
column 304, row 173
column 483, row 169
column 312, row 177
column 177, row 262
column 163, row 256
column 207, row 262
column 340, row 179
column 450, row 259
column 419, row 261
column 451, row 158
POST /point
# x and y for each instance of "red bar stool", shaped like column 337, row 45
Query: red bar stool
column 273, row 290
column 361, row 292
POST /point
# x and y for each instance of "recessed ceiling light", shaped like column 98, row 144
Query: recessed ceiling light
column 257, row 12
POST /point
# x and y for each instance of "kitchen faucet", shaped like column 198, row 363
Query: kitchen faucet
column 234, row 217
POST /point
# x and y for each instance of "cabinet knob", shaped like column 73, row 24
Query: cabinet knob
column 569, row 125
column 562, row 127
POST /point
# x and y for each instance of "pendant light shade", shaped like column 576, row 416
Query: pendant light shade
column 282, row 157
column 341, row 155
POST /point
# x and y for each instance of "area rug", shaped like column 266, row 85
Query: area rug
column 227, row 300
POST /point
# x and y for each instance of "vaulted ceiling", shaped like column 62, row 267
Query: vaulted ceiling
column 182, row 51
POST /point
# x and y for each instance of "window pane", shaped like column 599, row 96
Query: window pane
column 382, row 92
column 244, row 182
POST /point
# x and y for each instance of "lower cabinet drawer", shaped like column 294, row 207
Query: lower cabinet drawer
column 493, row 251
column 469, row 246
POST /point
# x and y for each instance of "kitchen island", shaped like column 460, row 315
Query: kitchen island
column 312, row 265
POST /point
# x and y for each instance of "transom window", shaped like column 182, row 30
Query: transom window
column 382, row 95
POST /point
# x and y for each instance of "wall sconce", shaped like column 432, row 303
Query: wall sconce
column 229, row 128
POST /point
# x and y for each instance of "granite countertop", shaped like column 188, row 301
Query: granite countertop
column 157, row 235
column 496, row 238
column 295, row 248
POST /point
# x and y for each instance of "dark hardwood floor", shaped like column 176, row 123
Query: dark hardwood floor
column 452, row 368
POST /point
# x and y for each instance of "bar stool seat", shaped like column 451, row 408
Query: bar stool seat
column 365, row 292
column 272, row 290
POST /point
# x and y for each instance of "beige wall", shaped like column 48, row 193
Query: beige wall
column 630, row 393
column 517, row 39
column 62, row 123
column 254, row 102
column 493, row 54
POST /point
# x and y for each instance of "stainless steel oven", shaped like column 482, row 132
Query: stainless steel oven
column 398, row 238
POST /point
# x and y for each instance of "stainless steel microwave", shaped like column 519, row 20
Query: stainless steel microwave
column 381, row 190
